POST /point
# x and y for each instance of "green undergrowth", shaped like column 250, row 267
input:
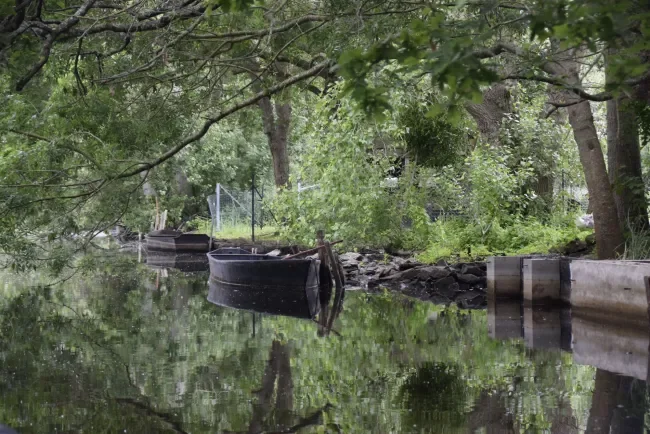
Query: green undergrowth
column 227, row 232
column 463, row 239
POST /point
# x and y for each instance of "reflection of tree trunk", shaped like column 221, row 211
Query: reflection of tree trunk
column 563, row 420
column 265, row 393
column 490, row 413
column 489, row 113
column 284, row 399
column 628, row 415
column 603, row 402
column 277, row 121
column 277, row 368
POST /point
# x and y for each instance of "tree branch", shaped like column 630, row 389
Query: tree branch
column 211, row 121
column 49, row 41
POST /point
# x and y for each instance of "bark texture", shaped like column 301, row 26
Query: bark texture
column 609, row 236
column 276, row 118
column 624, row 163
column 607, row 227
column 490, row 113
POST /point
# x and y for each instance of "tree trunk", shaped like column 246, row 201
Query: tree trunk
column 490, row 113
column 543, row 187
column 607, row 228
column 624, row 163
column 276, row 119
column 609, row 236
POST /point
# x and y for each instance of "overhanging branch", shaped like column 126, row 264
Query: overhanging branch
column 314, row 71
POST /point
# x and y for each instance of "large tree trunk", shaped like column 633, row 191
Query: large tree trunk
column 609, row 235
column 277, row 121
column 624, row 164
column 490, row 113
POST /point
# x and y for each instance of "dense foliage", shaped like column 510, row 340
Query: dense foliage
column 461, row 112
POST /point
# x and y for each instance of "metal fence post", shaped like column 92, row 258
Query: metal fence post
column 217, row 208
column 253, row 208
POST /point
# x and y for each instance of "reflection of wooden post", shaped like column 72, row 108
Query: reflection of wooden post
column 646, row 281
column 338, row 281
column 324, row 307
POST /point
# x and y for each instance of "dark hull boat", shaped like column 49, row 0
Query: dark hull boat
column 265, row 284
column 173, row 241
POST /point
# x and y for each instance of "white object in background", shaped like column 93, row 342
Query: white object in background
column 389, row 183
column 585, row 221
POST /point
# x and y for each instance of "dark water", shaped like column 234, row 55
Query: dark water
column 134, row 349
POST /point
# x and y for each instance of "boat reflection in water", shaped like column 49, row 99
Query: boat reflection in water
column 262, row 299
column 273, row 407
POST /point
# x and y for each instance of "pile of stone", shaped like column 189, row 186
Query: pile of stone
column 463, row 284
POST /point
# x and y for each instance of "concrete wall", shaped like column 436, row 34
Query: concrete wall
column 504, row 276
column 612, row 289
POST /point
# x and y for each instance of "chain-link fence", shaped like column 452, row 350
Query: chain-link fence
column 239, row 213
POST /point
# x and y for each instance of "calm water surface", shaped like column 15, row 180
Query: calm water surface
column 134, row 349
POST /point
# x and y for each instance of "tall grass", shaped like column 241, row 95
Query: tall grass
column 267, row 233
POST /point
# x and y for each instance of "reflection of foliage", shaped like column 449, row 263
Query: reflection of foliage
column 127, row 349
column 435, row 395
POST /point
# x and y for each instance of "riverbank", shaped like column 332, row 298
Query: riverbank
column 463, row 283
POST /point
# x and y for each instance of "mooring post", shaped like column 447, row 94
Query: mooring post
column 338, row 280
column 217, row 210
column 253, row 208
column 261, row 195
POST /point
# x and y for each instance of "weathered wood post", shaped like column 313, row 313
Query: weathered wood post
column 338, row 280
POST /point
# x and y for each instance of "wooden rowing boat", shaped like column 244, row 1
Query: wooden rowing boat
column 174, row 241
column 264, row 283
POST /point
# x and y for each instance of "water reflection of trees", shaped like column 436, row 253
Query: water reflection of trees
column 164, row 360
column 277, row 380
column 435, row 396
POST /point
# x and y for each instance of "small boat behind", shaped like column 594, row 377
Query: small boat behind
column 262, row 283
column 174, row 241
